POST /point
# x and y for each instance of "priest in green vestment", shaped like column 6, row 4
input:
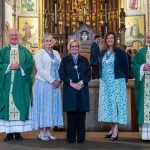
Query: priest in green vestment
column 16, row 68
column 141, row 72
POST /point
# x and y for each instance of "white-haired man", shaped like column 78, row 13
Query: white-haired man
column 16, row 65
column 141, row 72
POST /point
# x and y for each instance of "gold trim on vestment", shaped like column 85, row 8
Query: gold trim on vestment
column 14, row 113
column 147, row 92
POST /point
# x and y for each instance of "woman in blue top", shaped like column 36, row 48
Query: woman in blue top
column 112, row 92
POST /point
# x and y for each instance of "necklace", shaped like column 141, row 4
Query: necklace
column 108, row 54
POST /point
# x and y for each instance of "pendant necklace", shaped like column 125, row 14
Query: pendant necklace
column 108, row 54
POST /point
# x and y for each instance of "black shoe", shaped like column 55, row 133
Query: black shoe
column 9, row 137
column 108, row 136
column 114, row 138
column 70, row 142
column 81, row 142
column 18, row 137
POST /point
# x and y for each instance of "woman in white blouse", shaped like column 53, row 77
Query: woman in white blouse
column 47, row 103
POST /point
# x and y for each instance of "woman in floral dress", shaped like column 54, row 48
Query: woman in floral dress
column 112, row 92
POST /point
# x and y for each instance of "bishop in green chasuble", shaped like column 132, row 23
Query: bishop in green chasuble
column 141, row 72
column 16, row 68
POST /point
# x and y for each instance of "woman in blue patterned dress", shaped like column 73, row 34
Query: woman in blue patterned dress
column 47, row 102
column 112, row 92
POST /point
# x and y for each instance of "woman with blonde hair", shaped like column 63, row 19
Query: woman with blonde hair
column 75, row 73
column 47, row 102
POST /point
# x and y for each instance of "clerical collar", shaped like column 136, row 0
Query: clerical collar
column 14, row 46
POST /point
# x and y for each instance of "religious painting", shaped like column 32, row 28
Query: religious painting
column 133, row 4
column 28, row 28
column 84, row 35
column 29, row 5
column 135, row 29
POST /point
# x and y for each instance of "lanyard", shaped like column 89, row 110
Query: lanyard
column 108, row 54
column 51, row 54
column 75, row 59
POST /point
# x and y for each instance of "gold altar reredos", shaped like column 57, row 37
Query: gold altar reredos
column 61, row 16
column 64, row 18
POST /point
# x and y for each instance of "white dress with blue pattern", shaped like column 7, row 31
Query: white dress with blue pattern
column 112, row 94
column 47, row 102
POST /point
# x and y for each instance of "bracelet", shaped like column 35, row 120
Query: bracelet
column 81, row 83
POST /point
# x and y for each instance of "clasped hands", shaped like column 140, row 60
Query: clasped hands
column 14, row 66
column 146, row 67
column 76, row 86
column 56, row 83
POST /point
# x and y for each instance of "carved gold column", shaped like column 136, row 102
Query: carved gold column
column 110, row 16
column 122, row 27
column 55, row 16
column 61, row 17
column 120, row 5
column 106, row 15
column 40, row 22
column 94, row 13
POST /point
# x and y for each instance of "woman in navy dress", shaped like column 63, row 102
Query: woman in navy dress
column 75, row 73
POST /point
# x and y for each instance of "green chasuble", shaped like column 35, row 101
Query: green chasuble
column 142, row 88
column 15, row 88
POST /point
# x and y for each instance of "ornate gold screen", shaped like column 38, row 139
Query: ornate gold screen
column 63, row 17
column 60, row 15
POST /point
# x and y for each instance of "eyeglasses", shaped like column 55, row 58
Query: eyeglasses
column 75, row 46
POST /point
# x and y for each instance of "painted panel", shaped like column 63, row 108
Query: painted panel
column 135, row 29
column 28, row 28
column 29, row 5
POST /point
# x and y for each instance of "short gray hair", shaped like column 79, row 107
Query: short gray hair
column 47, row 36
